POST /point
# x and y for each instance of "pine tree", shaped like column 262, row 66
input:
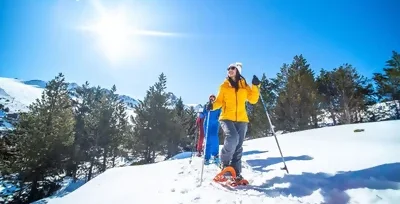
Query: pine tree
column 44, row 135
column 108, row 133
column 297, row 102
column 122, row 130
column 82, row 109
column 351, row 89
column 259, row 125
column 177, row 129
column 93, row 124
column 329, row 94
column 388, row 83
column 191, row 116
column 282, row 108
column 7, row 151
column 152, row 121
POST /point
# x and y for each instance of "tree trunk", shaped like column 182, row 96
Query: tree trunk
column 397, row 106
column 113, row 161
column 153, row 157
column 315, row 120
column 72, row 163
column 34, row 193
column 148, row 155
column 333, row 116
column 347, row 114
column 90, row 169
column 104, row 165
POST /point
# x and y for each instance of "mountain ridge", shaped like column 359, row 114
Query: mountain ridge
column 128, row 100
column 16, row 95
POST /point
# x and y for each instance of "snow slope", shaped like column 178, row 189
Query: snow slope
column 327, row 165
column 16, row 95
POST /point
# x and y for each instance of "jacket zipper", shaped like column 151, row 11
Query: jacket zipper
column 236, row 104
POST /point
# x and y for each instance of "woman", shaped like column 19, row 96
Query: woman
column 232, row 97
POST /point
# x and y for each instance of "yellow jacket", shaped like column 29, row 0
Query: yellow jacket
column 232, row 103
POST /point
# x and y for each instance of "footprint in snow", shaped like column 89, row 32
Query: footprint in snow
column 196, row 198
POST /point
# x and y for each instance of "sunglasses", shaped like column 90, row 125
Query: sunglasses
column 231, row 68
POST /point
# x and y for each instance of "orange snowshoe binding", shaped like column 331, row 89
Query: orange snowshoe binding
column 228, row 176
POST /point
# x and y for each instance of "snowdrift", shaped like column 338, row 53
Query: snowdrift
column 326, row 165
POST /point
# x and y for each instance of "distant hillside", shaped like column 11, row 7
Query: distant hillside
column 17, row 95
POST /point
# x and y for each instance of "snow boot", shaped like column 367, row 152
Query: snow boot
column 217, row 161
column 239, row 180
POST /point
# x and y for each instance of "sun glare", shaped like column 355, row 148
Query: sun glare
column 117, row 33
column 114, row 35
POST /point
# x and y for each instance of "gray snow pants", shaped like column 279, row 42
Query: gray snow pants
column 231, row 152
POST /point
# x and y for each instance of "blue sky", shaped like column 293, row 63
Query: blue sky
column 195, row 40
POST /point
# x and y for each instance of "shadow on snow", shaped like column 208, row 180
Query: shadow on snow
column 380, row 177
column 185, row 155
column 253, row 152
column 261, row 164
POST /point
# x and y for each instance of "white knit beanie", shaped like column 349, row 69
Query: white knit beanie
column 238, row 66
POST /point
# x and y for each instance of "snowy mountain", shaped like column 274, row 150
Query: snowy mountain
column 35, row 88
column 36, row 83
column 332, row 165
column 196, row 107
column 17, row 95
column 130, row 102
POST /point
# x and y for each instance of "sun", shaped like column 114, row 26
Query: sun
column 119, row 34
column 114, row 34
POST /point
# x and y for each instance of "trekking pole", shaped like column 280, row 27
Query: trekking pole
column 273, row 132
column 205, row 146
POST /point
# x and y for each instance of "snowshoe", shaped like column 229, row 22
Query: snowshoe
column 228, row 177
column 226, row 174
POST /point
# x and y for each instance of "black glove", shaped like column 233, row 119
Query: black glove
column 209, row 106
column 255, row 80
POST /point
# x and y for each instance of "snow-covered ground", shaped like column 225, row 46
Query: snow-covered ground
column 16, row 95
column 327, row 165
